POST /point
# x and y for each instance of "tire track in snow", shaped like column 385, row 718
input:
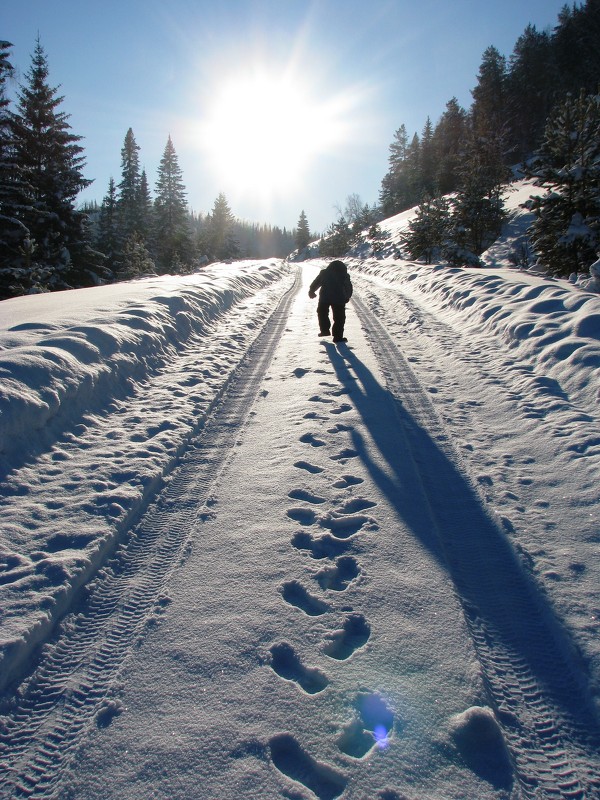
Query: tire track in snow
column 42, row 726
column 541, row 698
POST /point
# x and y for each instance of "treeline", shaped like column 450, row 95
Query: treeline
column 539, row 110
column 48, row 244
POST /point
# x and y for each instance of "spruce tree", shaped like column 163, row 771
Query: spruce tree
column 428, row 232
column 59, row 254
column 449, row 145
column 530, row 87
column 427, row 161
column 488, row 111
column 171, row 219
column 217, row 240
column 128, row 202
column 478, row 212
column 302, row 236
column 108, row 226
column 394, row 196
column 566, row 232
column 13, row 195
column 146, row 226
column 337, row 239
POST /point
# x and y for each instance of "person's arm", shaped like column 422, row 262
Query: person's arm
column 348, row 288
column 312, row 291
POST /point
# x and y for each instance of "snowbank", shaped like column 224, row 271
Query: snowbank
column 63, row 353
column 547, row 322
column 100, row 390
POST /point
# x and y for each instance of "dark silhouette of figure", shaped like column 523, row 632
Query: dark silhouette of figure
column 335, row 291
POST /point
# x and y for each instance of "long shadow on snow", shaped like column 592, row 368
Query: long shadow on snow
column 504, row 608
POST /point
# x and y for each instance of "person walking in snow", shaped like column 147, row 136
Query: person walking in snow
column 335, row 291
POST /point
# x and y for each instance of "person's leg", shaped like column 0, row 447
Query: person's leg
column 323, row 316
column 339, row 320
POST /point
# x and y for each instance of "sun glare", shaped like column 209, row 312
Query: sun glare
column 263, row 131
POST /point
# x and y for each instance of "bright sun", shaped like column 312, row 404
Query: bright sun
column 262, row 131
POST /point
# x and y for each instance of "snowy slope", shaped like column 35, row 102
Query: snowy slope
column 363, row 573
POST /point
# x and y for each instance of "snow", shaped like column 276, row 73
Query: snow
column 262, row 566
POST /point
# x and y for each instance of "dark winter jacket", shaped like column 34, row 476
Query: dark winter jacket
column 334, row 283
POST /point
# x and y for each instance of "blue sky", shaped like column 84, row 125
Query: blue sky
column 318, row 88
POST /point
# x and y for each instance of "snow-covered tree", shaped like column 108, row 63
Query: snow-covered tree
column 478, row 209
column 428, row 232
column 337, row 239
column 171, row 218
column 566, row 232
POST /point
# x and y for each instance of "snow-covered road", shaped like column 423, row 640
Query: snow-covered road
column 344, row 587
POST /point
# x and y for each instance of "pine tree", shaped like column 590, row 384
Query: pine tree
column 566, row 232
column 108, row 227
column 488, row 110
column 217, row 240
column 449, row 145
column 575, row 47
column 428, row 232
column 146, row 226
column 427, row 161
column 478, row 212
column 59, row 254
column 135, row 260
column 337, row 239
column 530, row 87
column 128, row 202
column 13, row 195
column 393, row 195
column 302, row 236
column 171, row 220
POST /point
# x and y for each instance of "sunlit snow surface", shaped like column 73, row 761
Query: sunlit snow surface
column 101, row 391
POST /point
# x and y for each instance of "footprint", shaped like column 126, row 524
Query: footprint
column 326, row 546
column 300, row 373
column 305, row 516
column 371, row 726
column 346, row 481
column 357, row 504
column 290, row 759
column 296, row 595
column 288, row 666
column 308, row 497
column 344, row 455
column 314, row 470
column 337, row 577
column 311, row 439
column 342, row 643
column 339, row 428
column 345, row 526
column 316, row 398
column 342, row 409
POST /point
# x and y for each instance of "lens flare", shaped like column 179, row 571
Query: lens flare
column 381, row 736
